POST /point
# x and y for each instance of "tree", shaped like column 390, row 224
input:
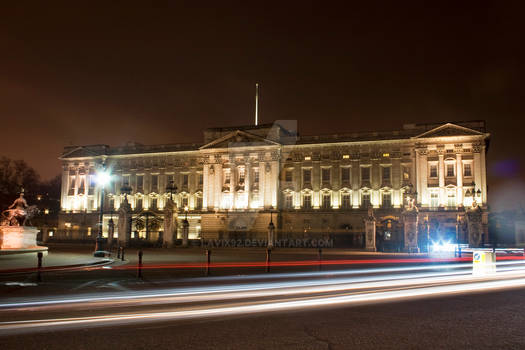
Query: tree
column 16, row 175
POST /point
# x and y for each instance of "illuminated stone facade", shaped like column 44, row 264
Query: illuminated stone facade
column 315, row 185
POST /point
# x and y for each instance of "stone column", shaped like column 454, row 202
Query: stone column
column 170, row 225
column 410, row 219
column 185, row 232
column 370, row 231
column 111, row 231
column 124, row 223
column 441, row 172
column 45, row 234
column 459, row 177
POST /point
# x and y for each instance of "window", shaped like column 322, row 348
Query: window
column 169, row 179
column 365, row 174
column 406, row 173
column 434, row 199
column 81, row 188
column 467, row 169
column 227, row 176
column 140, row 182
column 201, row 179
column 387, row 200
column 184, row 202
column 154, row 182
column 325, row 175
column 345, row 175
column 450, row 170
column 198, row 205
column 346, row 156
column 241, row 175
column 307, row 175
column 139, row 204
column 154, row 203
column 307, row 201
column 288, row 176
column 185, row 178
column 365, row 200
column 451, row 198
column 345, row 201
column 326, row 201
column 256, row 175
column 433, row 171
column 125, row 180
column 71, row 186
column 288, row 201
column 386, row 173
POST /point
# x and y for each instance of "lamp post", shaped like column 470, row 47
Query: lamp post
column 185, row 228
column 103, row 178
column 171, row 189
column 271, row 230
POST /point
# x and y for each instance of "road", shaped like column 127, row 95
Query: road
column 382, row 307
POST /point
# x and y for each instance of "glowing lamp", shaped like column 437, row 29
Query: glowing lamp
column 103, row 178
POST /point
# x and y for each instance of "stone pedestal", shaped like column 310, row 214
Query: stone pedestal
column 370, row 234
column 185, row 232
column 475, row 227
column 170, row 224
column 18, row 237
column 111, row 232
column 410, row 219
column 124, row 223
column 271, row 233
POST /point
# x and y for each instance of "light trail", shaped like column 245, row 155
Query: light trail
column 262, row 289
column 503, row 280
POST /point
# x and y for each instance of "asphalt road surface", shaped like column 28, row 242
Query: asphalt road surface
column 383, row 308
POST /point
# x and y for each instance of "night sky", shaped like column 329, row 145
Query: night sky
column 110, row 74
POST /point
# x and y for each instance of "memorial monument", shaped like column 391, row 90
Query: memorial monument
column 14, row 234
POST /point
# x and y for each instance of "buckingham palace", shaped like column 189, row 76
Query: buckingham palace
column 429, row 179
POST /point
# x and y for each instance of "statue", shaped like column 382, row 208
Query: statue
column 412, row 206
column 18, row 213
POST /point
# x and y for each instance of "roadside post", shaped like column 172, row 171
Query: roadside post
column 268, row 259
column 39, row 268
column 320, row 257
column 208, row 260
column 139, row 266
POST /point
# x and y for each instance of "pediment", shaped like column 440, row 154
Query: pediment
column 79, row 152
column 239, row 138
column 449, row 129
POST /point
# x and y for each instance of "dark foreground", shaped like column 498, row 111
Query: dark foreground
column 481, row 321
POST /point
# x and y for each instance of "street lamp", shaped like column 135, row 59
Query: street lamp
column 103, row 178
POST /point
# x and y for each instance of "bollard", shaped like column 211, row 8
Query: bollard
column 320, row 257
column 139, row 266
column 208, row 260
column 38, row 272
column 118, row 252
column 122, row 253
column 459, row 252
column 268, row 259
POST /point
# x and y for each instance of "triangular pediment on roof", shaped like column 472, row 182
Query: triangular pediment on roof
column 239, row 138
column 449, row 129
column 79, row 152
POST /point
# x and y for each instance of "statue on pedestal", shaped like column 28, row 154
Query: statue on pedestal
column 170, row 223
column 18, row 213
column 411, row 224
column 474, row 225
column 370, row 230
